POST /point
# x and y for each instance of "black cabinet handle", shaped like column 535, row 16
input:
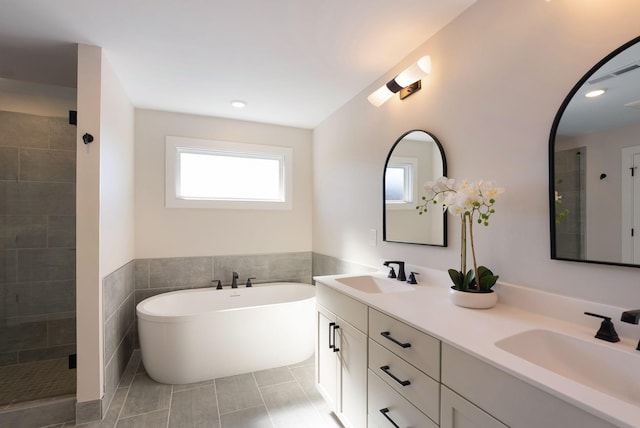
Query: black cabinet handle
column 331, row 324
column 387, row 335
column 384, row 413
column 401, row 382
column 335, row 348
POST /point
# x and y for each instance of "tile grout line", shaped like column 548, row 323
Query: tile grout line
column 124, row 402
column 307, row 395
column 302, row 389
column 170, row 403
column 117, row 347
column 143, row 413
column 215, row 395
column 278, row 384
column 253, row 375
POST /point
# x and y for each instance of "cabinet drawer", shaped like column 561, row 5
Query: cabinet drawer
column 458, row 412
column 417, row 387
column 350, row 310
column 383, row 400
column 414, row 346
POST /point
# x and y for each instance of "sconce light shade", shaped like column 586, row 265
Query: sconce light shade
column 415, row 72
column 412, row 74
column 380, row 96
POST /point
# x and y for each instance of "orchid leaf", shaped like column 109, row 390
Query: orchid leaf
column 456, row 277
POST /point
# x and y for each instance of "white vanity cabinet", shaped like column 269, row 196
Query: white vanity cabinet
column 375, row 370
column 341, row 357
column 502, row 396
column 460, row 413
column 404, row 373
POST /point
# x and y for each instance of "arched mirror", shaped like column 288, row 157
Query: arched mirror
column 415, row 158
column 594, row 155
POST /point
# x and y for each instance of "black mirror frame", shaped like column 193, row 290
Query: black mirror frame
column 384, row 183
column 552, row 139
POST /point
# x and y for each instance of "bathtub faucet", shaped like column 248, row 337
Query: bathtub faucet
column 234, row 281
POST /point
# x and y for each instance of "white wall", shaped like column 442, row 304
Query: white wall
column 164, row 232
column 104, row 203
column 88, row 281
column 117, row 203
column 500, row 72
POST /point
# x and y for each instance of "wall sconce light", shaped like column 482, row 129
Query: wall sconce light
column 407, row 82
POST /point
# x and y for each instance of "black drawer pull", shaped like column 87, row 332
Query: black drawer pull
column 387, row 335
column 384, row 413
column 335, row 348
column 331, row 346
column 401, row 382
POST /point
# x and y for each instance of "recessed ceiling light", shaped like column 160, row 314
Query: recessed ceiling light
column 238, row 104
column 595, row 93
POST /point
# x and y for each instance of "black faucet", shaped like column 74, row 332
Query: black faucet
column 234, row 281
column 607, row 331
column 632, row 317
column 401, row 275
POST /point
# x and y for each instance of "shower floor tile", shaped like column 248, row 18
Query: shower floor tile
column 35, row 381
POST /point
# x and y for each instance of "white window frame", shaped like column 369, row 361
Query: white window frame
column 410, row 167
column 176, row 145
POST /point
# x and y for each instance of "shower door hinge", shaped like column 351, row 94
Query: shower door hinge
column 73, row 361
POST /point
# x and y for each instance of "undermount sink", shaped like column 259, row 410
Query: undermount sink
column 373, row 284
column 611, row 371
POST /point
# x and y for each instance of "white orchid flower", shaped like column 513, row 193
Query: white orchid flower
column 455, row 210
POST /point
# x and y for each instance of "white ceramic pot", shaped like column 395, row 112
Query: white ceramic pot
column 473, row 300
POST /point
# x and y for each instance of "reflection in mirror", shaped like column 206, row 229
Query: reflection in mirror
column 594, row 154
column 415, row 158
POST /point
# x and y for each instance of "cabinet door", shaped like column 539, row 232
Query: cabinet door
column 326, row 359
column 460, row 413
column 352, row 375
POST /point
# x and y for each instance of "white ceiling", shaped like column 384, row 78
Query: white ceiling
column 293, row 61
column 620, row 78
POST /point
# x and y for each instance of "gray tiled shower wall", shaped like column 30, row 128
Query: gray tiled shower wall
column 37, row 237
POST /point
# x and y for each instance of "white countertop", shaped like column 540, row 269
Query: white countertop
column 475, row 331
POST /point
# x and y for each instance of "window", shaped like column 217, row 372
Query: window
column 225, row 175
column 400, row 177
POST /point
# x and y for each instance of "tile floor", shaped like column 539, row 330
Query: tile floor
column 283, row 397
column 35, row 381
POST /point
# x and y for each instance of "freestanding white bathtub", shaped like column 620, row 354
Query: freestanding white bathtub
column 199, row 334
